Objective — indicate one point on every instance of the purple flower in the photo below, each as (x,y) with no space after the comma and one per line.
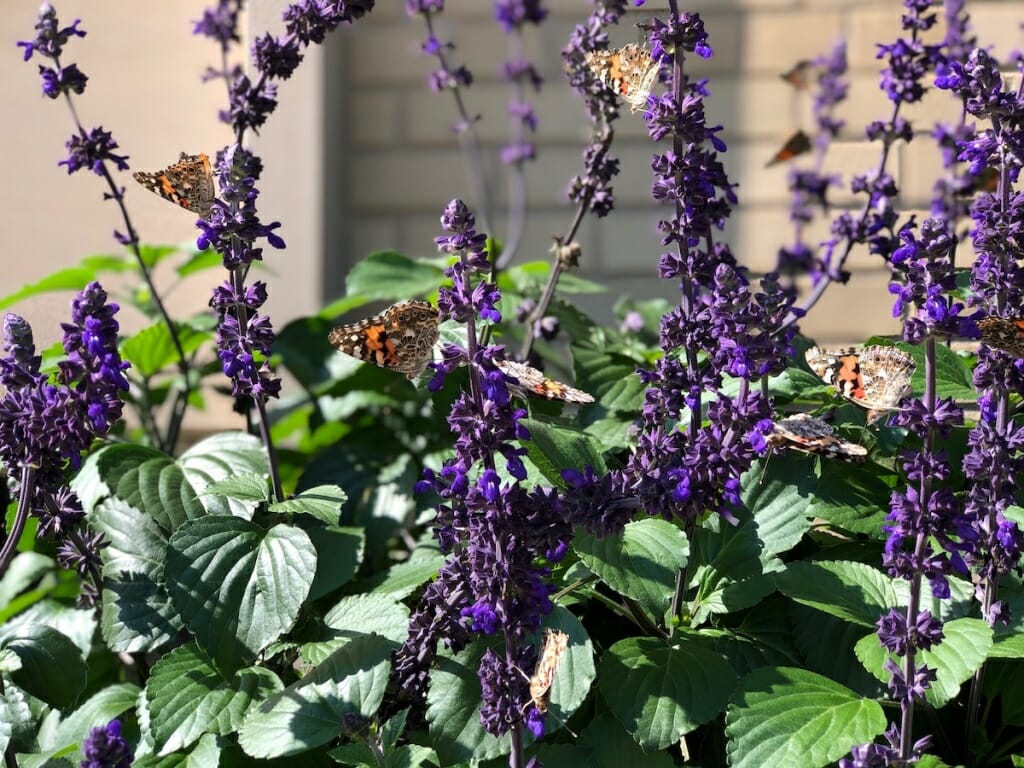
(50,36)
(92,151)
(62,81)
(220,23)
(492,529)
(45,427)
(276,58)
(106,748)
(516,13)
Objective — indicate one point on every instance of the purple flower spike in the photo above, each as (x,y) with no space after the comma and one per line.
(106,748)
(493,529)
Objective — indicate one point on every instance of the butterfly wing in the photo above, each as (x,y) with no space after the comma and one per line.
(795,145)
(1003,333)
(188,183)
(400,339)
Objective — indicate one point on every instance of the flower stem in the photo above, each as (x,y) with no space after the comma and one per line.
(167,442)
(28,475)
(469,143)
(563,240)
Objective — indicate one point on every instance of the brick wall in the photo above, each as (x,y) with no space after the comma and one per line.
(406,165)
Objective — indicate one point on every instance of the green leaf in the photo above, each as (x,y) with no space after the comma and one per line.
(780,717)
(642,563)
(239,587)
(357,616)
(205,754)
(1014,514)
(553,448)
(852,591)
(854,497)
(391,276)
(250,487)
(152,349)
(660,692)
(965,644)
(66,739)
(608,745)
(308,713)
(52,668)
(76,624)
(220,456)
(70,279)
(200,261)
(403,579)
(827,646)
(609,376)
(453,702)
(779,501)
(952,373)
(25,571)
(322,502)
(187,697)
(339,554)
(137,612)
(102,470)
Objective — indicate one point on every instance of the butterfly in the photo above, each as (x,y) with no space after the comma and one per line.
(188,183)
(803,432)
(401,338)
(630,71)
(875,377)
(1003,333)
(799,75)
(556,643)
(795,145)
(526,380)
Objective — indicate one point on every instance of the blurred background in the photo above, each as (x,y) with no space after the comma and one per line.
(360,155)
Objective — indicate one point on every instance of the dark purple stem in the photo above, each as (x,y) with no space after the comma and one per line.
(28,476)
(467,138)
(181,402)
(516,177)
(557,267)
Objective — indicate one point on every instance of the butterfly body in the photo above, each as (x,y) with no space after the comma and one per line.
(630,71)
(401,338)
(873,377)
(187,183)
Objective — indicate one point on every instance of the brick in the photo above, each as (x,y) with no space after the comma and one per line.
(387,54)
(997,24)
(851,313)
(870,26)
(772,42)
(374,115)
(753,107)
(920,166)
(403,179)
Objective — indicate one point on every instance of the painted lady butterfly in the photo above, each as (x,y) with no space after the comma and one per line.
(556,643)
(630,71)
(188,183)
(803,432)
(526,380)
(1003,333)
(401,338)
(799,75)
(875,377)
(795,145)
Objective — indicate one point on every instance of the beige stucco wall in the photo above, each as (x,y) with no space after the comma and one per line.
(398,161)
